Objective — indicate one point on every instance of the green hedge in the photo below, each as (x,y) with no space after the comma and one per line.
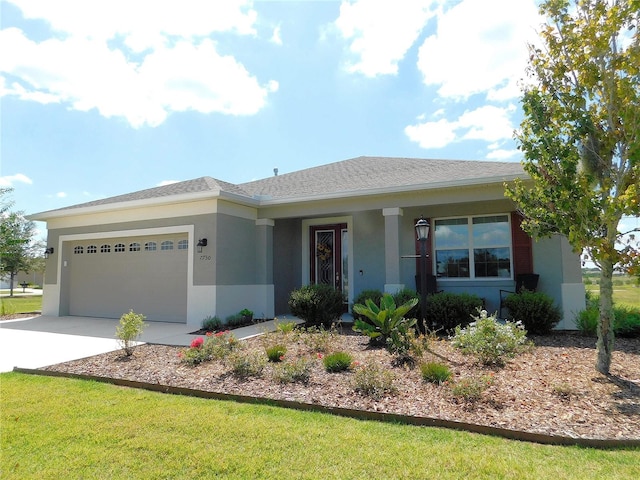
(317,304)
(447,310)
(536,310)
(626,320)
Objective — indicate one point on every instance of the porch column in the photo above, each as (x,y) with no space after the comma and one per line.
(392,249)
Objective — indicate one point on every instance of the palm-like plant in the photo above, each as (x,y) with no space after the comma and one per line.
(384,320)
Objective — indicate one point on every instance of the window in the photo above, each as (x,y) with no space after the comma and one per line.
(150,247)
(105,249)
(166,245)
(134,247)
(119,247)
(78,250)
(183,245)
(473,247)
(92,249)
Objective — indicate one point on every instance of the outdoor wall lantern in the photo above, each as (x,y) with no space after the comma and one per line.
(48,252)
(201,243)
(422,233)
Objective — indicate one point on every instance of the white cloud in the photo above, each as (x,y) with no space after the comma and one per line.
(487,123)
(501,154)
(61,195)
(432,134)
(137,60)
(276,38)
(480,47)
(381,32)
(10,180)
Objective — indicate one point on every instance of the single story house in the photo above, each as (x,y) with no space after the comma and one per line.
(182,252)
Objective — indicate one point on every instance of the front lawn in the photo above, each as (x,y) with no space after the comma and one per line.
(60,428)
(21,304)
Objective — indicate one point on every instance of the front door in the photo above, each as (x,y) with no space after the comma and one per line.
(329,256)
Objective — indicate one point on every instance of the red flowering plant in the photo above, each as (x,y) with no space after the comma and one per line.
(217,345)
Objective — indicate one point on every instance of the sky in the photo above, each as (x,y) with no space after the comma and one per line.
(100,98)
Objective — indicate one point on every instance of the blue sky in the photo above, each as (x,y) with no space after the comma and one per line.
(101,98)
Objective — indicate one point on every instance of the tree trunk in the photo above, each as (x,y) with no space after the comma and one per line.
(12,277)
(604,345)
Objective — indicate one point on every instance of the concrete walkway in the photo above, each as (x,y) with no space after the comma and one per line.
(41,341)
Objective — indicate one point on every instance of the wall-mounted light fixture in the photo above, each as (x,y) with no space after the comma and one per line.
(48,252)
(201,243)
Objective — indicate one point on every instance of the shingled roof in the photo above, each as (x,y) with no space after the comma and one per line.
(359,175)
(197,185)
(377,173)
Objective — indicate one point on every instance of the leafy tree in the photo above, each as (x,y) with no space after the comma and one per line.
(581,137)
(17,252)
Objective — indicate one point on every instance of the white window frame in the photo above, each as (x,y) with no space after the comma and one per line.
(471,247)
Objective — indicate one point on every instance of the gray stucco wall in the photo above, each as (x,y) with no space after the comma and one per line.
(235,251)
(287,268)
(368,251)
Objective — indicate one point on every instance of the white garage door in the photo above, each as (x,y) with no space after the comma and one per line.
(109,277)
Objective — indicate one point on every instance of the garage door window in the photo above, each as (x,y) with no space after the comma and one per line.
(119,247)
(92,249)
(105,249)
(78,250)
(183,245)
(166,245)
(150,247)
(134,247)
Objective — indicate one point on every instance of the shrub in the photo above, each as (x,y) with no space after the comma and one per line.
(490,341)
(317,304)
(626,320)
(435,372)
(318,339)
(373,381)
(246,365)
(470,388)
(298,370)
(129,329)
(275,353)
(373,295)
(587,320)
(246,314)
(217,345)
(337,362)
(535,310)
(196,353)
(212,324)
(449,310)
(286,327)
(385,324)
(235,320)
(405,295)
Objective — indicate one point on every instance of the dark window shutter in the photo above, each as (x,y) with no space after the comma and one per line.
(522,247)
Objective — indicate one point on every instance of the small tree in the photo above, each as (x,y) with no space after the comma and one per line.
(129,329)
(17,250)
(581,137)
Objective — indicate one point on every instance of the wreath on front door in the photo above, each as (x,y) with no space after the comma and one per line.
(323,252)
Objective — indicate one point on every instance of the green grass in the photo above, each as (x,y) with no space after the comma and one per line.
(21,304)
(60,428)
(625,290)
